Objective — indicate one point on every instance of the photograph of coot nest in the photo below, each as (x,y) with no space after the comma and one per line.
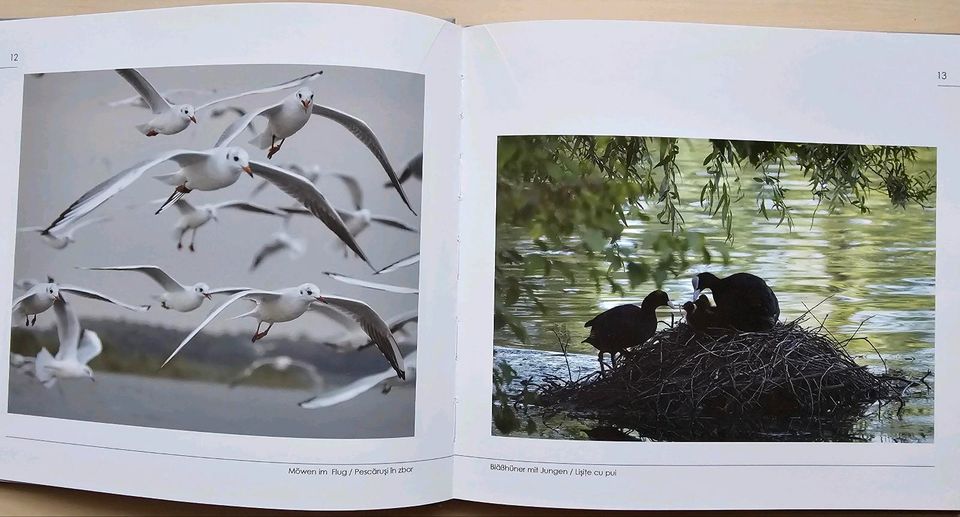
(665,289)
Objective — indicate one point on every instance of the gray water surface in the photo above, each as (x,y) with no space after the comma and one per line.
(201,406)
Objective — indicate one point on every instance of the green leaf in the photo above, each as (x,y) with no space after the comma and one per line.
(594,239)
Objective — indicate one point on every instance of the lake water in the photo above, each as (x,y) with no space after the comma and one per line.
(212,407)
(873,271)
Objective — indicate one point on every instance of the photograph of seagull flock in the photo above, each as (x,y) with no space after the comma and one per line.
(228,249)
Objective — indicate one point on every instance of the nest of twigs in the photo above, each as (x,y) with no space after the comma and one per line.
(684,385)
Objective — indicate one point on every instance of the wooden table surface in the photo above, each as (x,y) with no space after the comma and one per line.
(926,16)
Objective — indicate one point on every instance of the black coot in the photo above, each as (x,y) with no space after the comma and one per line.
(624,326)
(744,301)
(703,317)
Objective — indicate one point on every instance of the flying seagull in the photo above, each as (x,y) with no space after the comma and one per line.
(280,363)
(64,237)
(362,385)
(289,115)
(78,347)
(171,119)
(279,242)
(192,218)
(40,297)
(175,296)
(209,170)
(288,304)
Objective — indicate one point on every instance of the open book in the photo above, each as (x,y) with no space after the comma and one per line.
(332,257)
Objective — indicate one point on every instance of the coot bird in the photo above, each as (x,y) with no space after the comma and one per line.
(744,301)
(703,317)
(624,326)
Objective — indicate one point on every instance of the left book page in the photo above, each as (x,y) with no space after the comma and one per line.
(243,331)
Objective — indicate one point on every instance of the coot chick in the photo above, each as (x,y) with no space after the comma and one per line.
(624,326)
(703,317)
(744,301)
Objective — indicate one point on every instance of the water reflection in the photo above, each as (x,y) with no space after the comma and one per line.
(867,274)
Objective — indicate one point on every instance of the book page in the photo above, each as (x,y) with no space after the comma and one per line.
(709,268)
(234,227)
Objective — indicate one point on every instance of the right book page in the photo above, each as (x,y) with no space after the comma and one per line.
(703,268)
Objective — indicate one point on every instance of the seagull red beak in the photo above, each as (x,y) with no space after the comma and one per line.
(207,296)
(193,119)
(60,298)
(248,170)
(320,299)
(306,105)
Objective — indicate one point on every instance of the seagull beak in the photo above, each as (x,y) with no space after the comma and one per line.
(248,170)
(207,296)
(60,298)
(306,105)
(193,119)
(320,299)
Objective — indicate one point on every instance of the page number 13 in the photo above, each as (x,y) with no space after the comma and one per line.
(942,76)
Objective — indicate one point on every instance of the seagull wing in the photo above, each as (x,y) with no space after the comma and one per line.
(392,222)
(362,131)
(402,263)
(87,293)
(228,290)
(373,325)
(253,293)
(183,206)
(304,191)
(396,325)
(24,296)
(154,272)
(413,169)
(249,370)
(348,392)
(68,331)
(357,387)
(136,100)
(86,221)
(90,346)
(356,193)
(238,126)
(247,206)
(271,248)
(219,112)
(146,90)
(340,318)
(371,285)
(275,88)
(399,321)
(116,183)
(309,368)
